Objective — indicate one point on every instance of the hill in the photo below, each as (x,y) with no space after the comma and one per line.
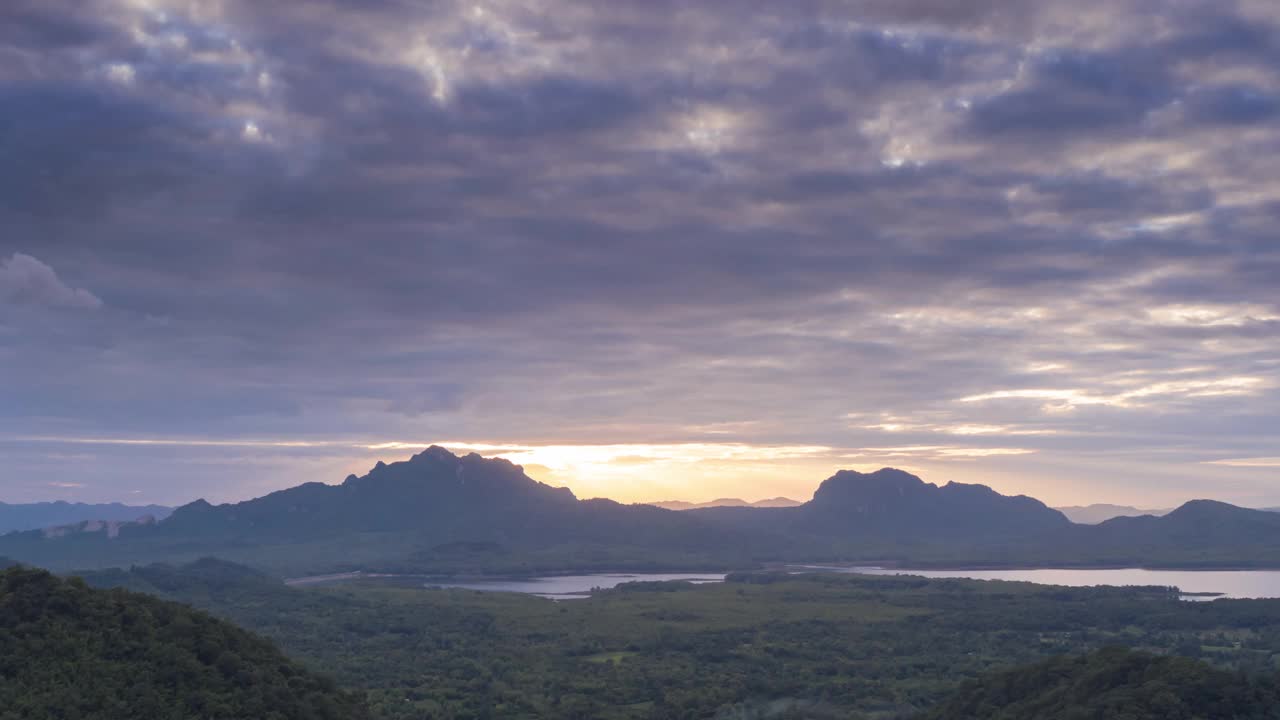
(1200,533)
(1113,683)
(894,515)
(725,502)
(1101,512)
(893,503)
(36,516)
(71,651)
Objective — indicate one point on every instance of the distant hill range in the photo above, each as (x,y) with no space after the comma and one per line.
(1101,512)
(439,513)
(726,502)
(36,516)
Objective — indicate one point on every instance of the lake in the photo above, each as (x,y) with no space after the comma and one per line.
(1230,583)
(575,587)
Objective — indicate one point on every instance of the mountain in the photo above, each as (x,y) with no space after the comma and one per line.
(1101,512)
(1199,533)
(75,652)
(874,515)
(438,513)
(893,503)
(1112,683)
(725,502)
(434,490)
(35,516)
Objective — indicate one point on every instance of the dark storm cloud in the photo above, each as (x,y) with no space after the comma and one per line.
(124,149)
(1097,196)
(1234,105)
(1071,92)
(45,25)
(577,222)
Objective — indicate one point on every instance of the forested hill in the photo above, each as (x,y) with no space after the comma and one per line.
(1114,683)
(69,651)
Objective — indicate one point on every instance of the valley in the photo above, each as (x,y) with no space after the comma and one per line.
(835,646)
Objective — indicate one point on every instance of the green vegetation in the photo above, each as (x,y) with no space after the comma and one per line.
(68,651)
(818,645)
(1114,683)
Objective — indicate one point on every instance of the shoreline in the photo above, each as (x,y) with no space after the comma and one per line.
(875,568)
(496,577)
(974,567)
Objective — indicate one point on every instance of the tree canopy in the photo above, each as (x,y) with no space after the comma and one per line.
(1117,684)
(73,652)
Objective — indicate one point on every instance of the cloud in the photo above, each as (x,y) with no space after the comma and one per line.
(1234,105)
(1259,462)
(573,225)
(1198,388)
(939,452)
(1076,91)
(25,280)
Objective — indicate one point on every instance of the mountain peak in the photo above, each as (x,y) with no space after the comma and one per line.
(437,454)
(1193,510)
(434,491)
(1202,504)
(883,483)
(896,502)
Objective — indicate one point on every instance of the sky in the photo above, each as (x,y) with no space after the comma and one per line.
(648,249)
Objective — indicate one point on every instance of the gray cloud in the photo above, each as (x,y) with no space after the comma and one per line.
(566,222)
(24,279)
(1234,105)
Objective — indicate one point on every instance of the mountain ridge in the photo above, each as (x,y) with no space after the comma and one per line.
(21,517)
(432,511)
(682,505)
(1100,512)
(441,513)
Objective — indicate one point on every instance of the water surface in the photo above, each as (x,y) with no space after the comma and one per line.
(1221,583)
(1228,583)
(574,587)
